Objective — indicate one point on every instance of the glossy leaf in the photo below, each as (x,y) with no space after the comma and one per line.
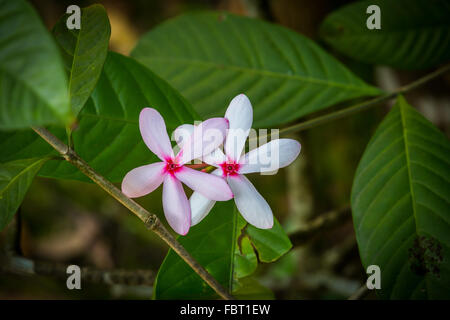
(245,260)
(15,179)
(212,57)
(33,86)
(271,244)
(414,34)
(401,208)
(108,136)
(84,52)
(221,245)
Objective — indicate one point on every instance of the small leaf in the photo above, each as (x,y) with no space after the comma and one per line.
(212,57)
(15,179)
(33,86)
(414,34)
(245,261)
(84,52)
(400,205)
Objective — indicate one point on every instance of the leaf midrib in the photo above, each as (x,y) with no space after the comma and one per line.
(408,167)
(267,73)
(20,173)
(233,248)
(74,55)
(408,164)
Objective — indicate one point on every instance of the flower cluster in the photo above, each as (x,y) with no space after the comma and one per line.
(227,181)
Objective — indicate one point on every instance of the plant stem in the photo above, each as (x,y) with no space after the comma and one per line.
(150,220)
(21,265)
(360,293)
(364,105)
(319,225)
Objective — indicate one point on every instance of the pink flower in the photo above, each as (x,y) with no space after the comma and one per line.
(231,166)
(172,170)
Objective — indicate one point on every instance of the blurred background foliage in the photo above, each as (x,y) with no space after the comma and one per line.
(73,222)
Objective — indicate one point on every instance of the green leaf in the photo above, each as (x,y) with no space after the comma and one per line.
(212,57)
(271,244)
(108,135)
(414,34)
(245,261)
(401,208)
(221,245)
(33,86)
(15,179)
(251,289)
(84,52)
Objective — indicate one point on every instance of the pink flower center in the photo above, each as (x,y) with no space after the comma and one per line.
(172,167)
(230,169)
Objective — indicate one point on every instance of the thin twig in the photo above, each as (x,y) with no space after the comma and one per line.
(360,293)
(24,266)
(363,105)
(150,220)
(319,225)
(197,166)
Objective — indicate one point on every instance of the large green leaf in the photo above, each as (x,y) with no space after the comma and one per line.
(222,245)
(84,52)
(33,86)
(108,136)
(15,179)
(414,34)
(212,57)
(401,207)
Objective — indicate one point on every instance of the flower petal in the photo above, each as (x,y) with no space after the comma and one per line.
(210,186)
(182,134)
(200,205)
(240,116)
(143,180)
(206,137)
(253,207)
(176,205)
(271,156)
(215,158)
(154,132)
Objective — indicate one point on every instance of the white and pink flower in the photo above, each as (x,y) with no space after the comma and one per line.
(172,170)
(232,166)
(202,142)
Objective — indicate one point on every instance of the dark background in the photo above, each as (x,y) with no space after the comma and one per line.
(71,222)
